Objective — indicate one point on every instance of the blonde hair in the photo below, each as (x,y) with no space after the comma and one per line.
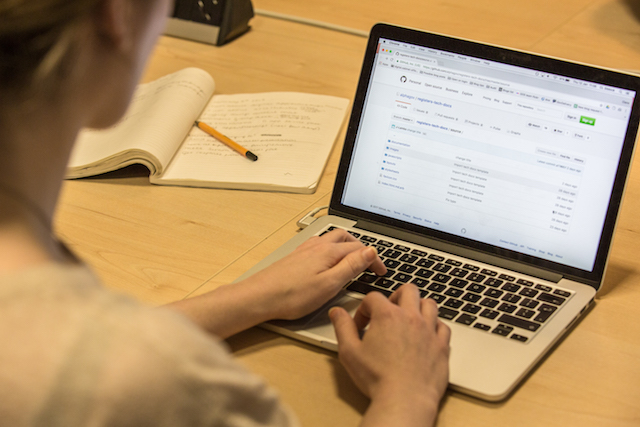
(35,38)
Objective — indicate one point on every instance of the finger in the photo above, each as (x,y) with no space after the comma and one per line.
(429,310)
(377,266)
(371,303)
(407,296)
(354,262)
(336,236)
(345,327)
(339,235)
(443,331)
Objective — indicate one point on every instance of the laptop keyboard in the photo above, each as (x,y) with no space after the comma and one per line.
(482,297)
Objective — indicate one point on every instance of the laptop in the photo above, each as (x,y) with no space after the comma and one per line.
(491,179)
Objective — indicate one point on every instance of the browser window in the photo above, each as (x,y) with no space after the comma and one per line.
(499,154)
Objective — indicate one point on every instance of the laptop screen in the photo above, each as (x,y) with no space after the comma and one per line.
(507,156)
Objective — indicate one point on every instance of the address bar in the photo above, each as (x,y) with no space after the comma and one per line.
(416,57)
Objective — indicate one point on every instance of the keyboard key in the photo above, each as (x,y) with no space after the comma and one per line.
(385,243)
(437,287)
(528,292)
(425,263)
(436,257)
(493,282)
(489,302)
(363,288)
(545,311)
(493,293)
(454,303)
(502,330)
(466,319)
(519,338)
(474,287)
(391,263)
(458,283)
(506,277)
(471,308)
(471,267)
(421,283)
(562,293)
(402,248)
(368,239)
(389,273)
(512,298)
(475,277)
(471,297)
(408,258)
(391,253)
(424,273)
(529,303)
(385,283)
(511,287)
(447,313)
(489,314)
(550,298)
(458,272)
(482,326)
(367,278)
(453,262)
(526,313)
(407,268)
(439,298)
(442,268)
(454,292)
(488,272)
(507,308)
(380,249)
(519,323)
(353,233)
(419,253)
(543,288)
(442,278)
(402,277)
(524,282)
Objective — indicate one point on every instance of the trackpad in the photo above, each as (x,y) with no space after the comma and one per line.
(321,325)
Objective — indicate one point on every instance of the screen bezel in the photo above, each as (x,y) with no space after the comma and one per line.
(506,56)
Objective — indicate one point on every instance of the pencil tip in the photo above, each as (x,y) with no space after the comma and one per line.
(251,156)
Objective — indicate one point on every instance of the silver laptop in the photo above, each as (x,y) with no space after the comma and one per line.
(491,179)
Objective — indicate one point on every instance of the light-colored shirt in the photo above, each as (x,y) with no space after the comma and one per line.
(75,354)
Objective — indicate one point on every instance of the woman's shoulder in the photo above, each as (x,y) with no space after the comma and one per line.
(84,352)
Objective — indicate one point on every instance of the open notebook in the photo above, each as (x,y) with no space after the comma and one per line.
(491,179)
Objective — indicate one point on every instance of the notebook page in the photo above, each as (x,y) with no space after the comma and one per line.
(160,115)
(291,133)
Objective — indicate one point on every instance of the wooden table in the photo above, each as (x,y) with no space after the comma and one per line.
(160,244)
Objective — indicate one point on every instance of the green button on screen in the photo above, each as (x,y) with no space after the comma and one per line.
(587,120)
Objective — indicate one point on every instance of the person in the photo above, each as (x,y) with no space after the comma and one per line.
(76,354)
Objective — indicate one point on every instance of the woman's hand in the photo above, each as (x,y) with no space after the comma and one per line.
(401,362)
(288,289)
(315,272)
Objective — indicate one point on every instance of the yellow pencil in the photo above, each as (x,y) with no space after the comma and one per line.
(220,137)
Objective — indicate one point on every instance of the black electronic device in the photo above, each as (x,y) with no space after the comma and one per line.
(210,21)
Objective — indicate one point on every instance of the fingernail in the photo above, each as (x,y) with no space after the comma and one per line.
(369,254)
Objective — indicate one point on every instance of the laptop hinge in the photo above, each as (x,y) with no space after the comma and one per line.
(458,250)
